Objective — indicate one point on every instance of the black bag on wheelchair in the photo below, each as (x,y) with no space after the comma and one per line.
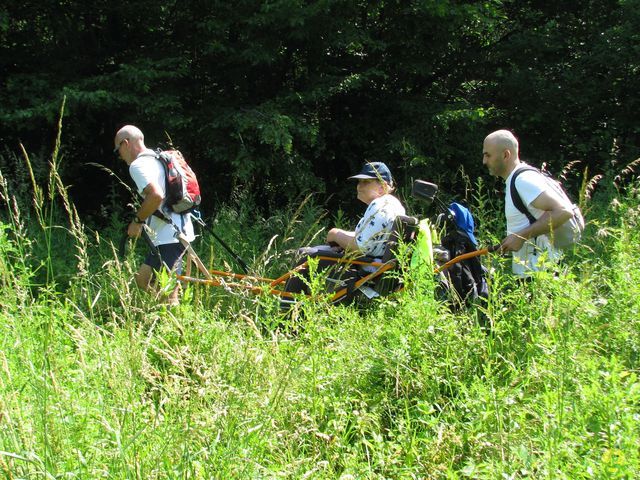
(464,283)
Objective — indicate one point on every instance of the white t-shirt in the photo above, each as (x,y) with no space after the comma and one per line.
(374,228)
(530,185)
(146,169)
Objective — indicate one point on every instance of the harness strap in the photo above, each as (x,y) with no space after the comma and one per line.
(169,220)
(515,196)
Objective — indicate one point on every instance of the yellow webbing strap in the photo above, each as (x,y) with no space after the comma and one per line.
(422,256)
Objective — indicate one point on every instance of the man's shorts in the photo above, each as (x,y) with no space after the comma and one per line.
(171,254)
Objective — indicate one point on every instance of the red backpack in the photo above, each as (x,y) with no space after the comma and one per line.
(182,192)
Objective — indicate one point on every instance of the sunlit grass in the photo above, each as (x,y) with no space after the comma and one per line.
(97,380)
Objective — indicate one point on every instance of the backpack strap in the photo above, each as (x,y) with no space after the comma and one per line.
(167,219)
(515,196)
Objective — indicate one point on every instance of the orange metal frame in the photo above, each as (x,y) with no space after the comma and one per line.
(256,285)
(275,286)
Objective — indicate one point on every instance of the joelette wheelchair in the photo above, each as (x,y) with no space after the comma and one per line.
(349,277)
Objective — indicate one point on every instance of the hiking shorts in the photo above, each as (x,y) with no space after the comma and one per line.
(171,254)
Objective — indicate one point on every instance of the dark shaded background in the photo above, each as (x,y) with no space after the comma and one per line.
(281,98)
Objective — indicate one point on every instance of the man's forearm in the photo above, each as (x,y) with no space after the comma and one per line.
(151,203)
(542,226)
(545,224)
(148,207)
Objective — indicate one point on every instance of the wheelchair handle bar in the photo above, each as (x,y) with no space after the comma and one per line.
(465,256)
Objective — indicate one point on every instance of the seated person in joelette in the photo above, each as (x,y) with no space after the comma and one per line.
(375,185)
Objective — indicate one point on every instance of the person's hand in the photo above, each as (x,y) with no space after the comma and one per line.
(134,229)
(332,236)
(512,243)
(335,236)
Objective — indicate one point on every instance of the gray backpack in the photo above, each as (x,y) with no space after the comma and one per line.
(563,236)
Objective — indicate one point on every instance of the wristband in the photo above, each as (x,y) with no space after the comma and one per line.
(137,220)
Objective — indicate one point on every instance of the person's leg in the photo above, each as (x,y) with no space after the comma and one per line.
(170,256)
(339,275)
(297,282)
(143,277)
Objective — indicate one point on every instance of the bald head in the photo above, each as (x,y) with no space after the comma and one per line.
(131,132)
(129,142)
(504,140)
(500,153)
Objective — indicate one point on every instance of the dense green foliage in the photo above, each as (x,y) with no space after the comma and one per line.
(96,380)
(284,97)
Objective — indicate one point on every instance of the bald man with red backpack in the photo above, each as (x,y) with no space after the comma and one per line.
(156,213)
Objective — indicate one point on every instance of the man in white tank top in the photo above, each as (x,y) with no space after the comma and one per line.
(529,242)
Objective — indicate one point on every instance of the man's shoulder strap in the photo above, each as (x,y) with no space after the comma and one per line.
(162,155)
(515,196)
(149,153)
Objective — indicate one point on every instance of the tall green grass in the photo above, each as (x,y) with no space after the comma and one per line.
(96,380)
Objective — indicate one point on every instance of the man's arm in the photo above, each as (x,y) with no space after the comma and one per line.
(344,238)
(555,214)
(151,203)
